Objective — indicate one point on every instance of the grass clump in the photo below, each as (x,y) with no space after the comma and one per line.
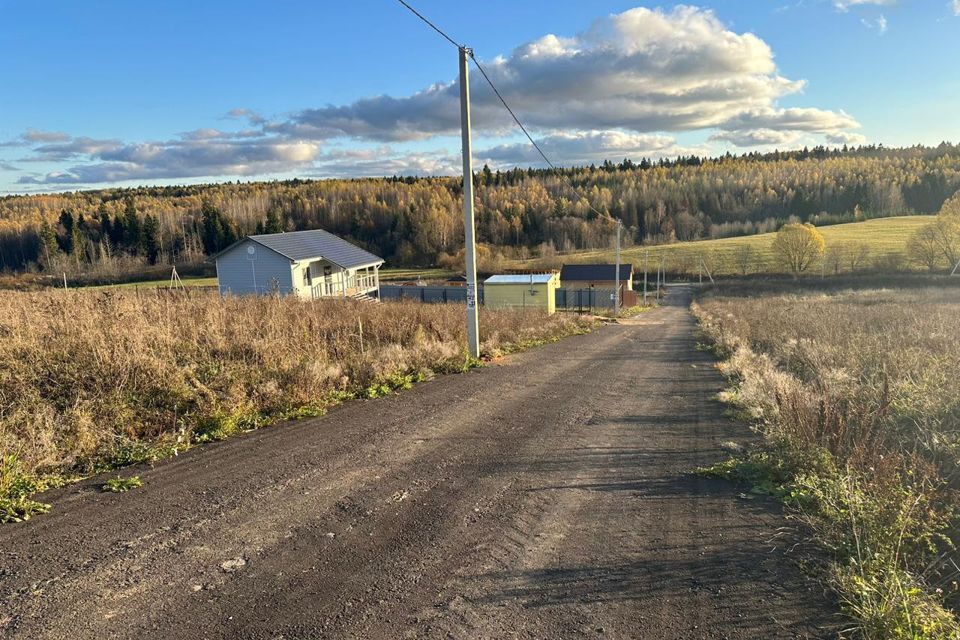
(855,393)
(94,380)
(15,488)
(122,485)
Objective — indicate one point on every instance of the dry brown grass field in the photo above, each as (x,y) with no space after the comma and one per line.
(857,394)
(97,379)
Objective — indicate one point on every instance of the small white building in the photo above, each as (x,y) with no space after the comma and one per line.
(310,264)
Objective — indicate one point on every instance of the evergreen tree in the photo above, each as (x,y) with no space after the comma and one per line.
(150,238)
(131,227)
(65,239)
(49,246)
(274,224)
(218,232)
(116,232)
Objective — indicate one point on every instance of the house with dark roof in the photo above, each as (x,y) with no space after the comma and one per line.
(309,264)
(596,276)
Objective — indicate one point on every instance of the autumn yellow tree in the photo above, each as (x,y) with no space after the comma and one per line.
(924,246)
(798,246)
(946,229)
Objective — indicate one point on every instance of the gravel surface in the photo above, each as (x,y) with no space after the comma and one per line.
(549,495)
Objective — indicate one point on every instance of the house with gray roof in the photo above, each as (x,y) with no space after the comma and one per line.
(310,264)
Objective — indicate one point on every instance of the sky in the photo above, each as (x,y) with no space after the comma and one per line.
(105,93)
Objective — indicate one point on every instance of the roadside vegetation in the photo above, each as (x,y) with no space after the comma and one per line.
(856,394)
(95,380)
(122,485)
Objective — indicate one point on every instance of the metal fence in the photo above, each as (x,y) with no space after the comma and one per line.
(583,300)
(427,294)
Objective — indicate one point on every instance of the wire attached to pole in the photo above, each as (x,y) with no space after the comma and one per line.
(432,26)
(506,106)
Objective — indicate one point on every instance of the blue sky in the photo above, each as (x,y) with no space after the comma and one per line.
(113,92)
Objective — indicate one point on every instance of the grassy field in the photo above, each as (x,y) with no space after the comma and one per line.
(405,275)
(856,393)
(91,380)
(386,275)
(882,237)
(155,284)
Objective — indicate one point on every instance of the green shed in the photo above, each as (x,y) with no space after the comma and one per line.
(522,291)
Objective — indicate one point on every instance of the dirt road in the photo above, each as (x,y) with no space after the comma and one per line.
(548,496)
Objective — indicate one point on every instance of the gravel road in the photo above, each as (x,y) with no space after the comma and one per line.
(549,495)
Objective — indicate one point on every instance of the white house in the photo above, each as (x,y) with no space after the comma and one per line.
(310,264)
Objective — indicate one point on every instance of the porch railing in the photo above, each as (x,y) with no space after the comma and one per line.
(355,283)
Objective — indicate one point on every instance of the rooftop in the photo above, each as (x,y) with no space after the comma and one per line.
(575,272)
(316,243)
(520,278)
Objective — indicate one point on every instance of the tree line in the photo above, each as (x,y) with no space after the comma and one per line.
(520,212)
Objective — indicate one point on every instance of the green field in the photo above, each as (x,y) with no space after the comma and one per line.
(394,275)
(153,284)
(881,237)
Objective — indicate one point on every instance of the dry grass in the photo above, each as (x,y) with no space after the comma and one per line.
(95,379)
(857,393)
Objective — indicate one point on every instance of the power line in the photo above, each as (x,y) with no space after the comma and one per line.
(507,107)
(530,138)
(503,102)
(432,26)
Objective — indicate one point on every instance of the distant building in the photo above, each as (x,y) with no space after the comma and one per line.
(522,291)
(597,276)
(309,264)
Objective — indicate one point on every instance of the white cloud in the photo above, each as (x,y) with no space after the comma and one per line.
(34,136)
(385,161)
(185,158)
(608,92)
(586,147)
(844,5)
(843,137)
(642,70)
(955,6)
(879,23)
(757,137)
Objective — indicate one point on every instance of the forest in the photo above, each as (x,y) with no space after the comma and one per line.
(417,221)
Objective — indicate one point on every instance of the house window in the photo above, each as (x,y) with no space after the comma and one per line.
(306,277)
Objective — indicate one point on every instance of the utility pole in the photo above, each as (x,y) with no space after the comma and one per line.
(646,259)
(659,264)
(616,293)
(470,248)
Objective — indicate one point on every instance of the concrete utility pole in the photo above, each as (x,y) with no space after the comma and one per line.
(616,293)
(470,248)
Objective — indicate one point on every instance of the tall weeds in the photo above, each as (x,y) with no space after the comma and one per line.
(857,395)
(89,380)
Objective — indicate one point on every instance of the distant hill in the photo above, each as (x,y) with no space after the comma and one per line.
(520,213)
(855,246)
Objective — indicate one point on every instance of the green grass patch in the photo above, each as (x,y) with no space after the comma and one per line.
(16,487)
(122,485)
(882,237)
